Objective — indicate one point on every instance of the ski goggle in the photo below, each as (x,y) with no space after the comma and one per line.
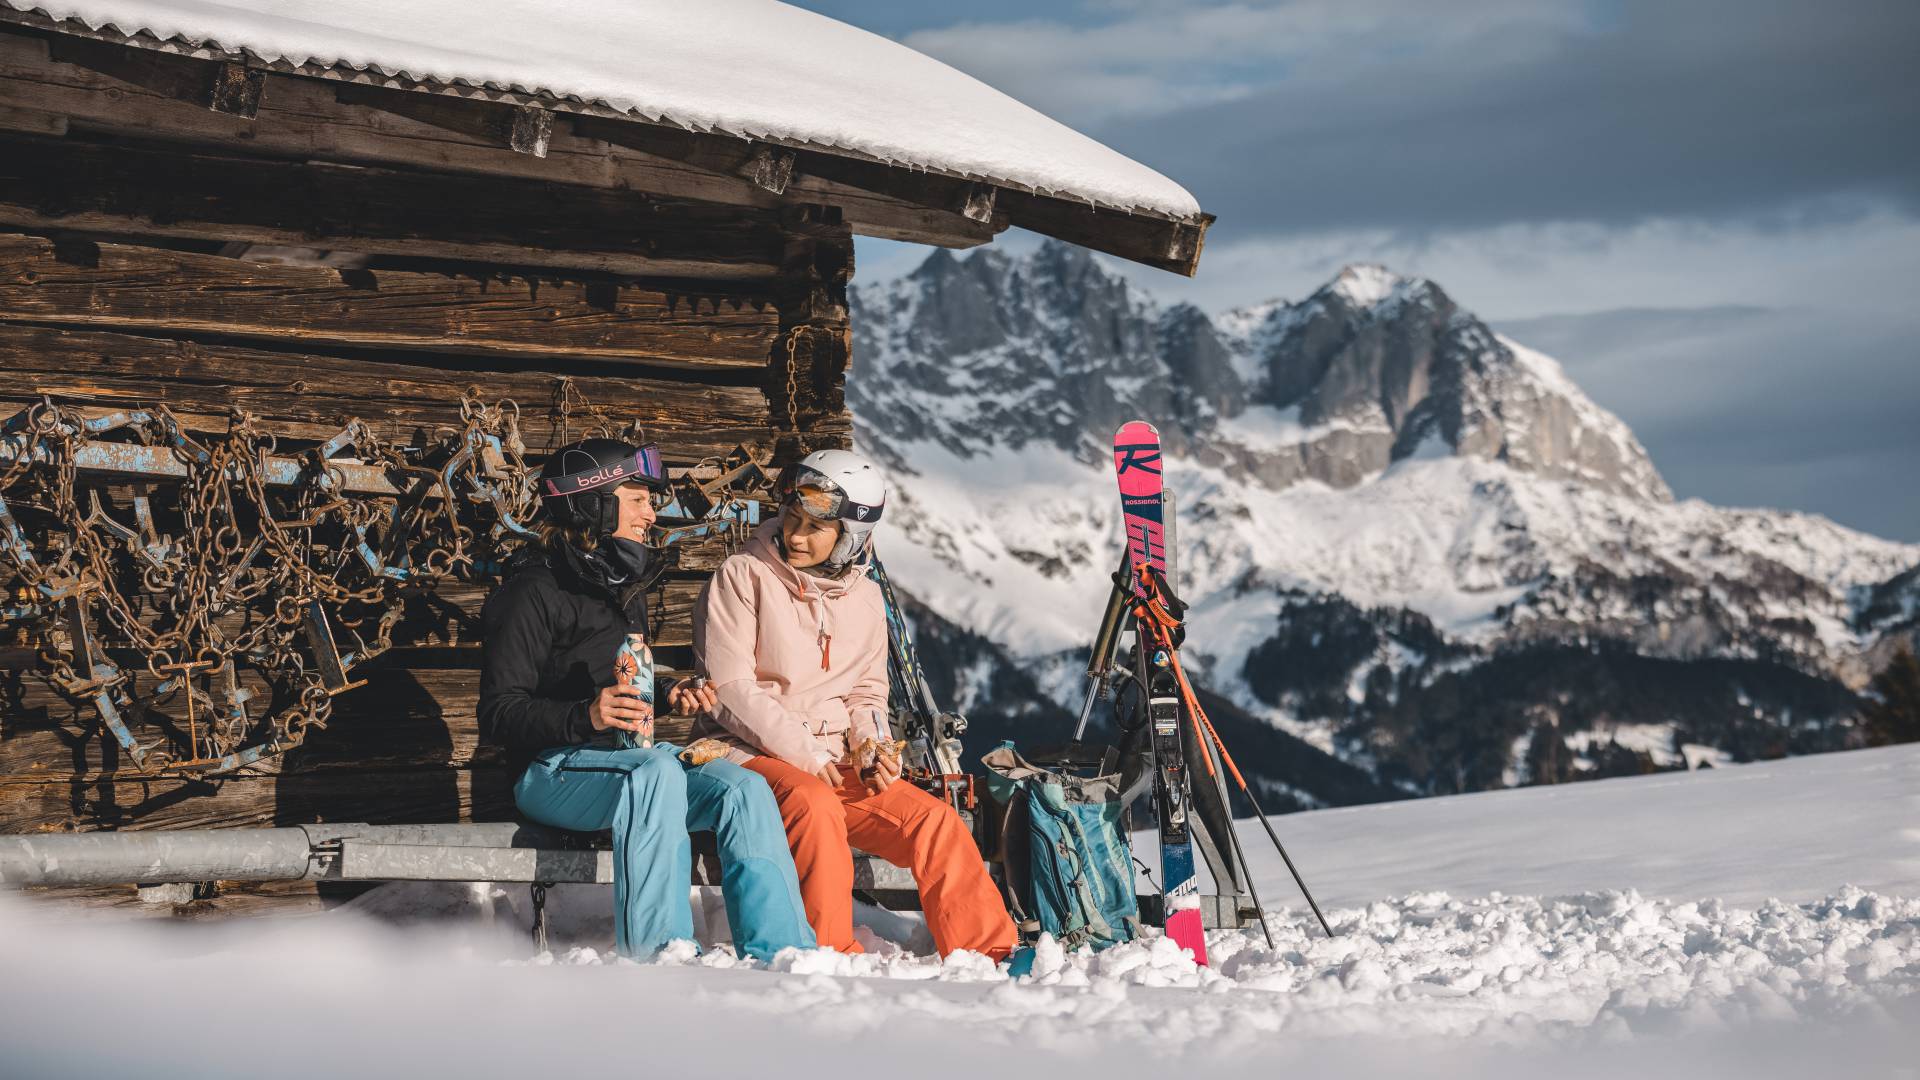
(827,503)
(643,467)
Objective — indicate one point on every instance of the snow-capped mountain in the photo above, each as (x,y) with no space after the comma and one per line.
(1409,541)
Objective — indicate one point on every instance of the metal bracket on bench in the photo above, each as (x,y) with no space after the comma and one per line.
(539,896)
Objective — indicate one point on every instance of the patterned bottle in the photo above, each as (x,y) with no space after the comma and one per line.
(633,666)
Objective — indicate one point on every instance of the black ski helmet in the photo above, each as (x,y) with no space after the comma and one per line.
(578,481)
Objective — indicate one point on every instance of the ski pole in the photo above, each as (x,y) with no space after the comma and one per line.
(1157,632)
(1240,857)
(1164,621)
(1100,659)
(1288,859)
(1227,756)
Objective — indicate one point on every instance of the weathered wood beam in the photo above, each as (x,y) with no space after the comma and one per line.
(380,797)
(1153,241)
(155,190)
(32,121)
(130,287)
(301,117)
(810,176)
(219,85)
(524,129)
(309,396)
(879,198)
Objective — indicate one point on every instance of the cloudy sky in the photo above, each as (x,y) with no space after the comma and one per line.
(1709,210)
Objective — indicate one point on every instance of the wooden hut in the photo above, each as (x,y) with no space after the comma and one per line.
(272,227)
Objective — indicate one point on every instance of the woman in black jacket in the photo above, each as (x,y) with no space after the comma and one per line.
(549,699)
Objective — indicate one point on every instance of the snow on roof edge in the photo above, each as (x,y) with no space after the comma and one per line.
(1083,170)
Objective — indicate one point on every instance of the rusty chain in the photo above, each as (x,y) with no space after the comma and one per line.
(245,619)
(230,617)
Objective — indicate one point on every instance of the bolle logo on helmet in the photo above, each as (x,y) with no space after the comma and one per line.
(582,481)
(644,464)
(609,473)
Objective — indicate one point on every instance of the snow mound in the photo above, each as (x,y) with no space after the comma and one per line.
(1452,977)
(753,68)
(1506,967)
(1419,975)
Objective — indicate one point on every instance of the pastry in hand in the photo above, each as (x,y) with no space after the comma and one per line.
(703,751)
(868,754)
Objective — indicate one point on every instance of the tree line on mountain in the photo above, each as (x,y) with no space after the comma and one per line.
(1436,717)
(1450,718)
(1892,710)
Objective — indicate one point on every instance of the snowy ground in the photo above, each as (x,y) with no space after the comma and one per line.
(1591,929)
(1795,829)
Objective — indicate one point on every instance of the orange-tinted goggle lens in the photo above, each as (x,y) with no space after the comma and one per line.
(818,503)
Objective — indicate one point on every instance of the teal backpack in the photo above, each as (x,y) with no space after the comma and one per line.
(1063,845)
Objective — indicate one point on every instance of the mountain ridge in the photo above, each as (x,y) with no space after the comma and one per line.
(1373,442)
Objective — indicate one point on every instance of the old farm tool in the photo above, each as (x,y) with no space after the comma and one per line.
(218,591)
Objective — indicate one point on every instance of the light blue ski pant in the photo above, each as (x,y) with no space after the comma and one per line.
(652,800)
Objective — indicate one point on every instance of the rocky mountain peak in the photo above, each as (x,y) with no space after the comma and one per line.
(1371,368)
(1408,540)
(1364,285)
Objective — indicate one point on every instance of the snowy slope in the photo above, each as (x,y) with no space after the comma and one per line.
(1470,944)
(1793,830)
(1372,445)
(753,68)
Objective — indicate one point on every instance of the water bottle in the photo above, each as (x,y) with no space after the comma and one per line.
(633,666)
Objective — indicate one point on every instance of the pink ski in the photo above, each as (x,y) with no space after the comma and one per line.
(1136,463)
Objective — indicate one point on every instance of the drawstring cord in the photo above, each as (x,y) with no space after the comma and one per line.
(824,636)
(817,600)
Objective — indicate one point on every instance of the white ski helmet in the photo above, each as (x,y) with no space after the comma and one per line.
(839,485)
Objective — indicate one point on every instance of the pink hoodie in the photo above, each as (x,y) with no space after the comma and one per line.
(797,661)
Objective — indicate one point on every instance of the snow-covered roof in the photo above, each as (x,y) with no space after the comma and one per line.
(752,68)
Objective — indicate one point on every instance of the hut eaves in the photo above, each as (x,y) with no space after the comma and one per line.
(748,69)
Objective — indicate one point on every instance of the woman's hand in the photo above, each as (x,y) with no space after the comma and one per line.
(690,699)
(877,760)
(830,774)
(884,771)
(620,708)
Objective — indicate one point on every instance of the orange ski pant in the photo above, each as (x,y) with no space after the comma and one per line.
(903,825)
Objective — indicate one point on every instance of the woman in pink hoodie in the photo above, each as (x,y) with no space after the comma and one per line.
(792,636)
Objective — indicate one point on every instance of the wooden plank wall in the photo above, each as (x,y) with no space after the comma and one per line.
(112,297)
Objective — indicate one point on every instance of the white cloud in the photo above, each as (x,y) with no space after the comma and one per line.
(1155,57)
(1521,271)
(1548,158)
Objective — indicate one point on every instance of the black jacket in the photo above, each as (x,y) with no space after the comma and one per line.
(549,638)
